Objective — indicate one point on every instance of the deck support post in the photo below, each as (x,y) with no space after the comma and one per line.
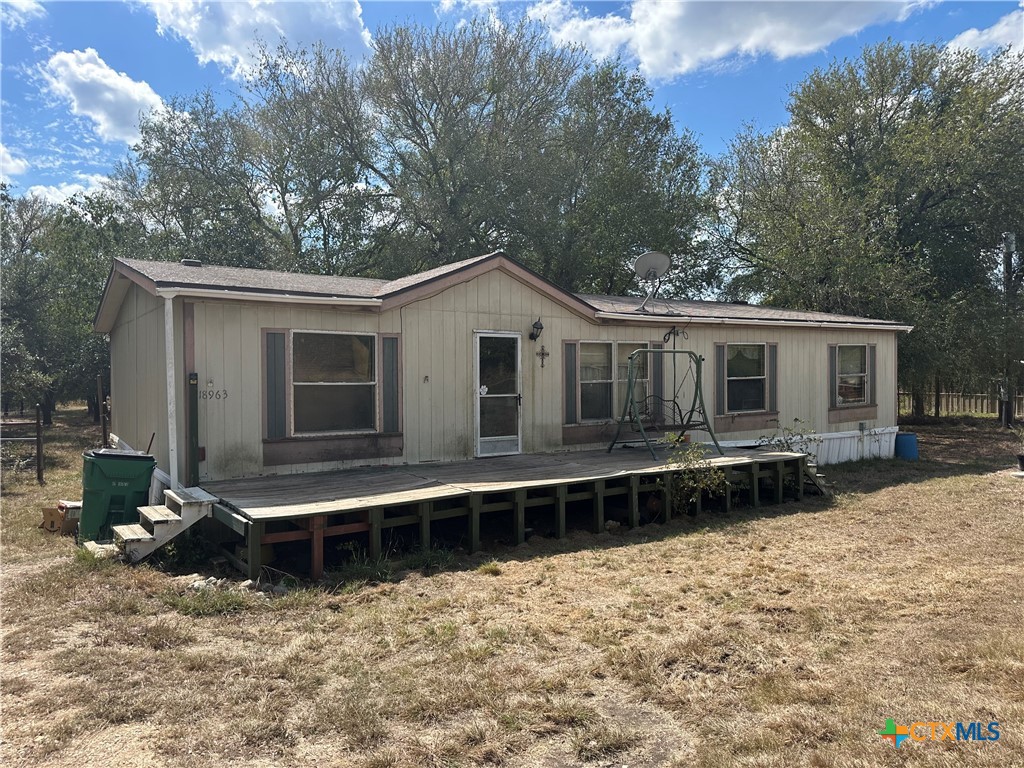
(316,547)
(376,518)
(801,472)
(475,502)
(666,481)
(425,508)
(780,477)
(755,496)
(598,506)
(561,492)
(634,501)
(254,547)
(519,516)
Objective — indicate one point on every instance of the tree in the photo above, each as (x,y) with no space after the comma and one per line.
(23,223)
(617,180)
(55,262)
(300,132)
(187,187)
(448,143)
(460,118)
(885,196)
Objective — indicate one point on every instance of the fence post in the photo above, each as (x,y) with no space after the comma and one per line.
(39,444)
(105,422)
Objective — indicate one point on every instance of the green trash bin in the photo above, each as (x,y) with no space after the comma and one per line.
(114,485)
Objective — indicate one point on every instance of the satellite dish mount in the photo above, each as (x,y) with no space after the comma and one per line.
(650,267)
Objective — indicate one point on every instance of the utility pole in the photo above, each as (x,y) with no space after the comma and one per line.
(1007,390)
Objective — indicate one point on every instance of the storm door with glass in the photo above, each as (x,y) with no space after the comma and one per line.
(498,396)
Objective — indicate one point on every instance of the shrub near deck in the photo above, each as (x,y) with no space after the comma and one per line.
(785,636)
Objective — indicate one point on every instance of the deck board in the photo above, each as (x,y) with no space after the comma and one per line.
(301,495)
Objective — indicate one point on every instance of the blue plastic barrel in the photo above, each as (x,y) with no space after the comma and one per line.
(906,446)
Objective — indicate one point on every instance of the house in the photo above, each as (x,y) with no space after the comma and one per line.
(238,373)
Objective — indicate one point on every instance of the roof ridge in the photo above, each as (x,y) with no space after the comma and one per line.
(407,281)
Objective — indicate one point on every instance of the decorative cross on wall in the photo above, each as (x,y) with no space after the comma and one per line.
(543,355)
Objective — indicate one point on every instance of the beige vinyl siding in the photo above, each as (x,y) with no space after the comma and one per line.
(438,342)
(444,430)
(803,385)
(229,353)
(138,378)
(437,369)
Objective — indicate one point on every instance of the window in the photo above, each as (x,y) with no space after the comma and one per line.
(746,386)
(334,383)
(604,379)
(595,381)
(745,378)
(851,382)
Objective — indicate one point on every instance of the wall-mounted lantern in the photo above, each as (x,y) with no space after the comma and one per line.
(538,328)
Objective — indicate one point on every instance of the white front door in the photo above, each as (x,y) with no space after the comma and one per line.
(498,394)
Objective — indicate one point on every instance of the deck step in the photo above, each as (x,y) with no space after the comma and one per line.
(158,513)
(132,532)
(184,496)
(816,480)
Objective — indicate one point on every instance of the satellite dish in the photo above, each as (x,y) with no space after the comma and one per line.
(652,265)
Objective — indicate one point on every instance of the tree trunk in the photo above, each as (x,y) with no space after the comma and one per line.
(49,405)
(917,400)
(938,397)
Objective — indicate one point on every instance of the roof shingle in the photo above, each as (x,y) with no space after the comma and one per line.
(173,274)
(718,310)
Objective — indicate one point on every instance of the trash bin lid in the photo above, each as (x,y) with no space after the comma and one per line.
(116,453)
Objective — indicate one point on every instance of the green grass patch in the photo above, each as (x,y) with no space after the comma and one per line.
(207,602)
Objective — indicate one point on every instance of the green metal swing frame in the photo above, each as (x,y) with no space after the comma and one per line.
(694,418)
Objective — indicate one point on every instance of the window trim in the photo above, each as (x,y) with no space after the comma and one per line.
(866,376)
(763,378)
(616,409)
(290,384)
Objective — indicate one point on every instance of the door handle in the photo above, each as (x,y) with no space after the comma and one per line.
(519,399)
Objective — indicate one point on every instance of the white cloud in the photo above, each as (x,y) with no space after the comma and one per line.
(473,7)
(88,183)
(11,165)
(18,13)
(673,37)
(1009,30)
(223,33)
(111,99)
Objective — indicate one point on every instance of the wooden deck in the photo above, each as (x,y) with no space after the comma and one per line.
(276,509)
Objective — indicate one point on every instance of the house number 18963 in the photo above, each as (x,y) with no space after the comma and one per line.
(213,394)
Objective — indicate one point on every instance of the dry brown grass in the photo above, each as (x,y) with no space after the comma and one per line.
(779,637)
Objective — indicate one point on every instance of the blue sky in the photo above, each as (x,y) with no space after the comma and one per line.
(76,74)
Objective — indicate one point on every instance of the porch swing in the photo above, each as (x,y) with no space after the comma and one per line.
(652,412)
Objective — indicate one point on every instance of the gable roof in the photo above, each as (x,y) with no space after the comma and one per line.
(211,281)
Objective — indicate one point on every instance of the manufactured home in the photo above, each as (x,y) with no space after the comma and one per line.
(240,373)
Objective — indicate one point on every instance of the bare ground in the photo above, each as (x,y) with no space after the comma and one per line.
(779,637)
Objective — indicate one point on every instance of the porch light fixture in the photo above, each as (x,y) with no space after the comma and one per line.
(538,328)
